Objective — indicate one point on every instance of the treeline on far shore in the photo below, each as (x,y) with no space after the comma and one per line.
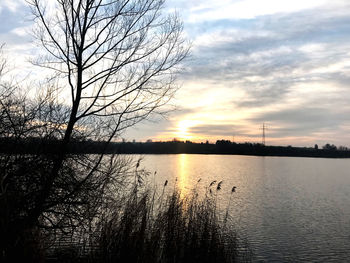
(35,145)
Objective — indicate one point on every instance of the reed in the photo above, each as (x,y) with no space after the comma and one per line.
(171,228)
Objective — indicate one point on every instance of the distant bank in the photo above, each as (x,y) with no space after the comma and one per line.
(35,146)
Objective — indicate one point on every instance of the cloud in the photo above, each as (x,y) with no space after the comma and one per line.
(291,70)
(248,9)
(11,18)
(281,62)
(303,120)
(15,27)
(277,53)
(205,10)
(12,5)
(218,130)
(267,95)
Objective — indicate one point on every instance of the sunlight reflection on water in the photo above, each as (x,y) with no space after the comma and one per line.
(290,209)
(182,176)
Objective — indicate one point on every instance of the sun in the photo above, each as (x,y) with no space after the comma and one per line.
(183,129)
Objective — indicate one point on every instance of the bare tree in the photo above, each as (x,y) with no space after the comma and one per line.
(30,129)
(117,58)
(116,61)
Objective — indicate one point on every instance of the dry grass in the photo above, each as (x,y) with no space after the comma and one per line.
(168,229)
(145,227)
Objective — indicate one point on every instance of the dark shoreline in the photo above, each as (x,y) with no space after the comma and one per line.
(36,146)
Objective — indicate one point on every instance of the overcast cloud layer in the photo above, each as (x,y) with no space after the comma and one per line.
(283,63)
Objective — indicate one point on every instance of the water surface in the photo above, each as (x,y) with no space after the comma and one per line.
(289,209)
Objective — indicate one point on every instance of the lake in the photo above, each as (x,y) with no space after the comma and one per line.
(288,209)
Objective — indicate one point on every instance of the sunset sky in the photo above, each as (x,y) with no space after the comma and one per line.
(279,62)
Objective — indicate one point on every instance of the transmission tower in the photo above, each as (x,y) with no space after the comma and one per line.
(263,133)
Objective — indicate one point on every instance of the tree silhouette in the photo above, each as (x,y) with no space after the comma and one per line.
(116,61)
(117,58)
